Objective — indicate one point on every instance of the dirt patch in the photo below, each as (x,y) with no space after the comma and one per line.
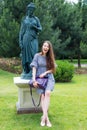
(81,70)
(11,65)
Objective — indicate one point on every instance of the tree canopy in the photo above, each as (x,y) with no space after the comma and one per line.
(64,24)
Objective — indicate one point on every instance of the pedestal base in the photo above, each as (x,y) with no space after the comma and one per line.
(28,110)
(25,104)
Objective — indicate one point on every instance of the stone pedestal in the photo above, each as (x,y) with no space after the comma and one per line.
(25,104)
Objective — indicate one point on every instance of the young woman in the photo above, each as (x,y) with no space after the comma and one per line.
(42,65)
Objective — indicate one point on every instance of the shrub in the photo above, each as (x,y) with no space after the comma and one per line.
(64,71)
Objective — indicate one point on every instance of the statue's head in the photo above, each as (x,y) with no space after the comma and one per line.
(30,9)
(31,5)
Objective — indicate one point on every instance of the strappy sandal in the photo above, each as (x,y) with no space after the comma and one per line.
(48,123)
(42,121)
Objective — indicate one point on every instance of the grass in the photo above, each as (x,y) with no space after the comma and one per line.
(83,61)
(68,107)
(75,61)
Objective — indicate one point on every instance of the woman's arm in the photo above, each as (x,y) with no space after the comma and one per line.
(45,73)
(33,73)
(38,26)
(35,83)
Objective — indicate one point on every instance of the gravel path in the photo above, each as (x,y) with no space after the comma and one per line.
(82,65)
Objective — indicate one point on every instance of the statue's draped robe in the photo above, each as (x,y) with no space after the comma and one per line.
(28,40)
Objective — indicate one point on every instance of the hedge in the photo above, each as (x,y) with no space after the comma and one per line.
(64,71)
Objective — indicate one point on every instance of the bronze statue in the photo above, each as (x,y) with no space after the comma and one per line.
(28,39)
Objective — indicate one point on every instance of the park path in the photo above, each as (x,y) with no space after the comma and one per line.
(82,65)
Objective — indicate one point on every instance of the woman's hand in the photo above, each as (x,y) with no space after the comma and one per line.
(42,75)
(35,84)
(45,73)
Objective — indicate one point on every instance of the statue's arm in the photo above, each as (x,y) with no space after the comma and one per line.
(21,33)
(38,27)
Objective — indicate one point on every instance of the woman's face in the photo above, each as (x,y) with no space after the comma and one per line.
(45,48)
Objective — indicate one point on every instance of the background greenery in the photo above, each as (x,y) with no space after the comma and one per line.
(68,107)
(64,24)
(64,71)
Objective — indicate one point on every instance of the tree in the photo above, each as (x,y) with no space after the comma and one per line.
(68,18)
(62,19)
(8,36)
(11,13)
(83,47)
(42,11)
(64,24)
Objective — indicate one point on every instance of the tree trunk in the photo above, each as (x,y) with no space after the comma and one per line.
(79,63)
(79,55)
(71,59)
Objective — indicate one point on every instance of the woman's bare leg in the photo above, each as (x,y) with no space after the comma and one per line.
(45,101)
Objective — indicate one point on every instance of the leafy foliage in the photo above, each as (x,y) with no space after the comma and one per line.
(64,24)
(64,71)
(9,34)
(83,49)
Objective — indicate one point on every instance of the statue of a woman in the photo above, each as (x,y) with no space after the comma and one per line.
(28,39)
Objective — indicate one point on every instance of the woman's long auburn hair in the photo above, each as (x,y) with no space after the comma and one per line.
(50,60)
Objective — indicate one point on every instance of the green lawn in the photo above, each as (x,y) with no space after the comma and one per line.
(83,61)
(75,61)
(68,107)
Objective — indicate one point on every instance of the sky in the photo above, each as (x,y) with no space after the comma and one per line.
(75,1)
